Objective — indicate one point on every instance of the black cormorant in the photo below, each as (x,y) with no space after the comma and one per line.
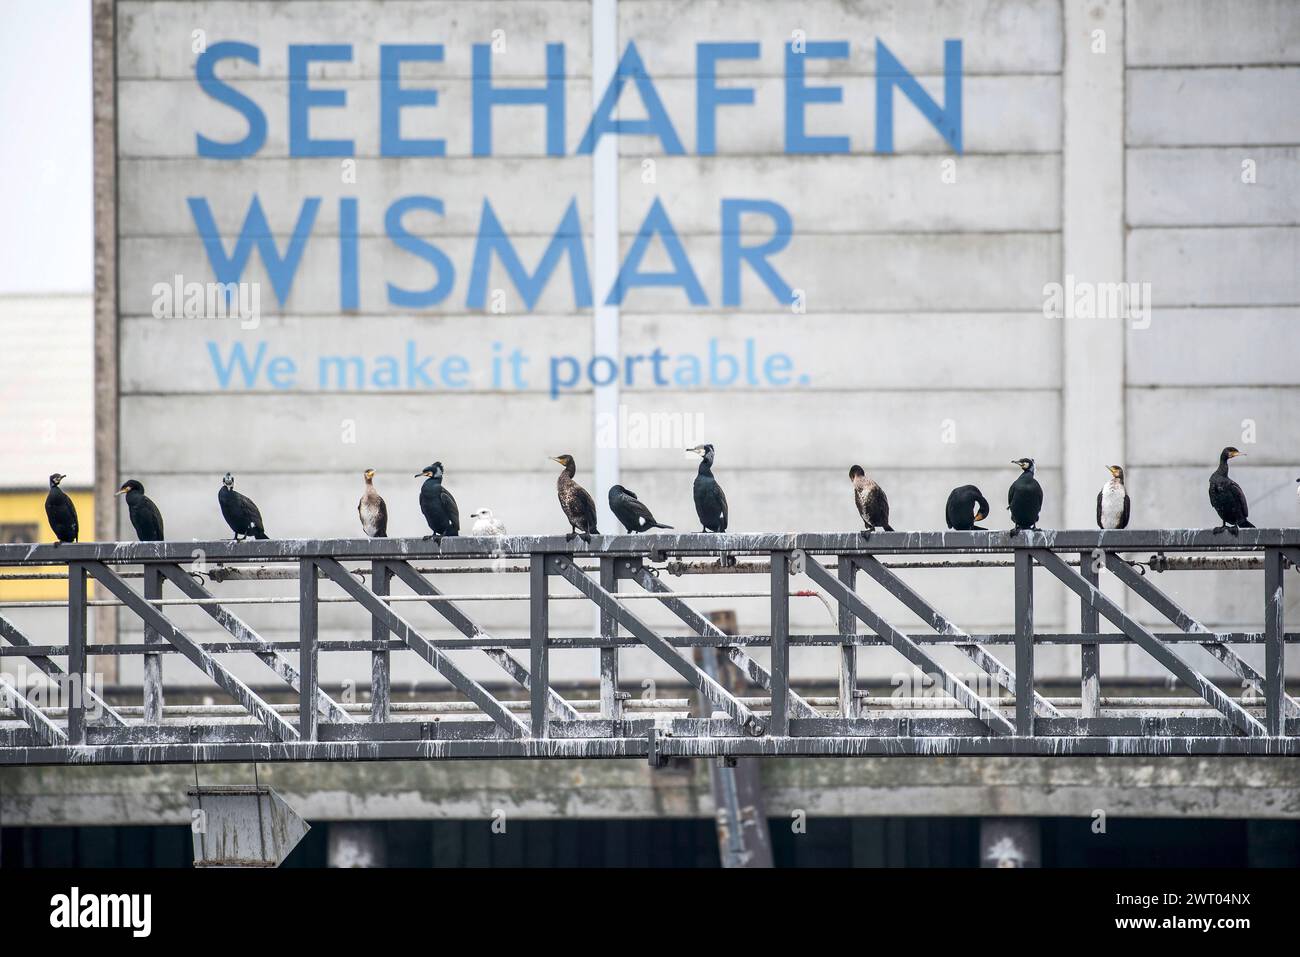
(631,511)
(578,505)
(1025,497)
(437,504)
(1227,497)
(239,511)
(145,517)
(60,511)
(372,509)
(1112,501)
(710,502)
(870,500)
(966,506)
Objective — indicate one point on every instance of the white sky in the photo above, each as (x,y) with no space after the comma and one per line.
(46,192)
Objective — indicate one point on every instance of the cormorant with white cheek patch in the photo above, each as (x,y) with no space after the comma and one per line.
(239,511)
(60,511)
(372,509)
(576,502)
(437,504)
(870,500)
(1112,501)
(146,518)
(1227,497)
(1025,497)
(966,506)
(631,511)
(710,502)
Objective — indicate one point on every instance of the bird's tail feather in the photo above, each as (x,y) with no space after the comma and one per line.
(262,536)
(1244,524)
(660,525)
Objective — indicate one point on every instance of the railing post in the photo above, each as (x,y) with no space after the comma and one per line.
(153,676)
(610,705)
(1274,641)
(780,644)
(848,575)
(308,626)
(76,676)
(1024,642)
(538,627)
(1090,653)
(381,577)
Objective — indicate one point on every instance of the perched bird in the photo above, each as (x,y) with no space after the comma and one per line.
(870,500)
(1112,501)
(145,517)
(1227,497)
(710,502)
(372,509)
(1025,497)
(578,505)
(629,510)
(60,511)
(487,524)
(966,506)
(239,511)
(437,504)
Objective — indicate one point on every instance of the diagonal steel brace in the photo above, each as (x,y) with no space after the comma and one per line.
(702,626)
(1157,649)
(719,696)
(470,629)
(194,651)
(239,630)
(983,658)
(905,646)
(423,647)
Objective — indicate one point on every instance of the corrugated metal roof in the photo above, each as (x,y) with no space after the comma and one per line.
(47,380)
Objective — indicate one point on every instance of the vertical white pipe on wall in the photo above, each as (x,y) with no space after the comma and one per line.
(605,319)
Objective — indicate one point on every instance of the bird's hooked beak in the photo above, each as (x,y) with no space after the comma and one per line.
(980,516)
(1113,469)
(122,491)
(1233,455)
(425,474)
(698,450)
(556,458)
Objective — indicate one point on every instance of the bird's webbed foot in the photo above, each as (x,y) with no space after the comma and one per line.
(1232,530)
(572,534)
(585,536)
(428,537)
(1218,530)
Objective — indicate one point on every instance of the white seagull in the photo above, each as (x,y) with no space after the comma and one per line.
(485,523)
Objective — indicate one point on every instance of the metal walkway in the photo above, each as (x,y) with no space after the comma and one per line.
(1001,715)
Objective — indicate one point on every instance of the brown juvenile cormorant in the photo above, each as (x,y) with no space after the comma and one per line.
(578,505)
(630,510)
(239,511)
(1227,497)
(437,504)
(372,509)
(1025,497)
(60,511)
(966,506)
(870,500)
(710,502)
(1112,501)
(145,517)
